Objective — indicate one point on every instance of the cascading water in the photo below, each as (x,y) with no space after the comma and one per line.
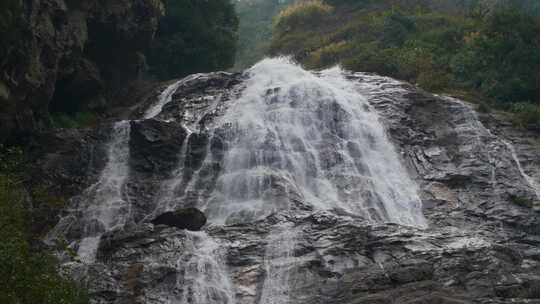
(532,183)
(295,136)
(298,136)
(163,99)
(277,263)
(206,277)
(106,207)
(293,141)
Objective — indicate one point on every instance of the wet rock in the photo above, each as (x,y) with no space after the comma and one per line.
(68,53)
(154,145)
(479,246)
(190,218)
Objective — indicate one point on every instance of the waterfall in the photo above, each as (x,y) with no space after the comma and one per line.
(278,260)
(293,140)
(166,96)
(295,135)
(105,207)
(532,183)
(206,277)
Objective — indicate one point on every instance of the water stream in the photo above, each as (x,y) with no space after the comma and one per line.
(106,207)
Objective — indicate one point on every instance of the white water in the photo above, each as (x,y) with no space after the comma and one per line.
(295,135)
(206,279)
(532,183)
(478,126)
(166,96)
(278,261)
(106,208)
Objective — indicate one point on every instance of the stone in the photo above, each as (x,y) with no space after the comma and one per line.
(479,247)
(190,218)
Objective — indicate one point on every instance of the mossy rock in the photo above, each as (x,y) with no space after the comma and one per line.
(522,201)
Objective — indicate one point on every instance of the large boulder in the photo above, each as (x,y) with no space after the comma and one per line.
(187,218)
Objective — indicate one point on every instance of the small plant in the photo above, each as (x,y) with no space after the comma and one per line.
(522,201)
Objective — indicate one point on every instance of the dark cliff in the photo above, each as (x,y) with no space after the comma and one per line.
(66,57)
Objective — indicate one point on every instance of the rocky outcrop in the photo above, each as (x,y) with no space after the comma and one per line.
(72,56)
(189,218)
(480,246)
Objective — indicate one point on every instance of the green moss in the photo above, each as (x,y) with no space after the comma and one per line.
(522,201)
(72,121)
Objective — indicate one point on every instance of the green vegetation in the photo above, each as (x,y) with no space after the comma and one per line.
(522,201)
(76,120)
(9,14)
(194,36)
(489,49)
(28,275)
(302,14)
(255,29)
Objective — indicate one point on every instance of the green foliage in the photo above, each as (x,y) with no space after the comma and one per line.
(522,201)
(303,14)
(72,121)
(194,36)
(490,48)
(255,29)
(502,59)
(10,12)
(526,114)
(27,275)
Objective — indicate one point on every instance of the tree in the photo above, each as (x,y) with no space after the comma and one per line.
(194,36)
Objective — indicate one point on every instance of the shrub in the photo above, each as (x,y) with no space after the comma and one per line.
(301,14)
(193,37)
(27,274)
(328,55)
(525,114)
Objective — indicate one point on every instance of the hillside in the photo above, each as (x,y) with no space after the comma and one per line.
(484,51)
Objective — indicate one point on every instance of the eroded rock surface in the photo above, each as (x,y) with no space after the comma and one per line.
(480,246)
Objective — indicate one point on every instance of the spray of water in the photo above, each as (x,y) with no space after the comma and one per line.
(295,135)
(105,207)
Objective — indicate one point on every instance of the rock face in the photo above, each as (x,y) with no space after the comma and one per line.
(72,56)
(190,218)
(277,236)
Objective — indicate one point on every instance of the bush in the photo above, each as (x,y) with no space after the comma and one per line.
(526,114)
(503,57)
(302,14)
(194,36)
(328,55)
(10,11)
(27,274)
